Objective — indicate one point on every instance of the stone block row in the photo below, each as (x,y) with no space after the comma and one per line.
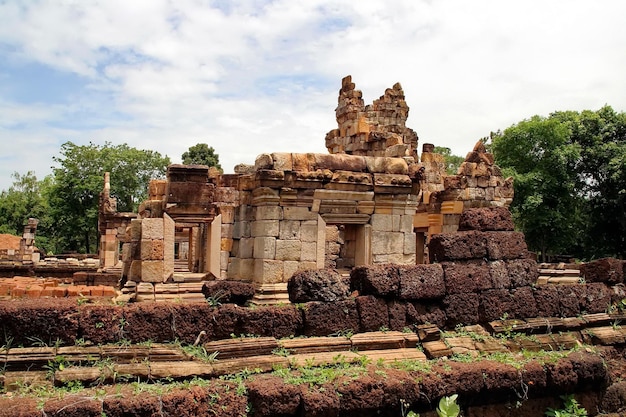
(467,245)
(415,282)
(526,302)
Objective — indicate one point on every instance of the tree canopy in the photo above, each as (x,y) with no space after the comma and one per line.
(453,162)
(570,181)
(78,181)
(202,154)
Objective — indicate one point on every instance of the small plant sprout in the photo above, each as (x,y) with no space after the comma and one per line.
(404,409)
(448,407)
(571,408)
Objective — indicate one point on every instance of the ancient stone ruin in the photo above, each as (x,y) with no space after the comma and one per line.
(372,200)
(362,282)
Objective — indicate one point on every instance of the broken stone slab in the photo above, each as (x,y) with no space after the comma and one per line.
(318,285)
(486,219)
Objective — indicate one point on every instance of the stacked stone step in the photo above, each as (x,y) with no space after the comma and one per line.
(489,274)
(487,268)
(559,274)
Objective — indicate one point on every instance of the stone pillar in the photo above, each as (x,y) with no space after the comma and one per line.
(363,255)
(212,246)
(27,244)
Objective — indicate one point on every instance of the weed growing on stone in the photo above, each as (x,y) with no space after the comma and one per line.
(347,333)
(239,379)
(215,299)
(200,352)
(281,351)
(244,336)
(571,408)
(57,364)
(410,365)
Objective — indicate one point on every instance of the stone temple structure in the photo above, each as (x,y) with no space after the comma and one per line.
(373,199)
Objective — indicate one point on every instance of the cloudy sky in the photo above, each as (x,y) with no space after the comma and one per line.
(254,76)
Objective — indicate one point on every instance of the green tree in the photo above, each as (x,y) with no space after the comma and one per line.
(539,155)
(602,172)
(202,154)
(79,180)
(453,162)
(25,198)
(570,181)
(21,201)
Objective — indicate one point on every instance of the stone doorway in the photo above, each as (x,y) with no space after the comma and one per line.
(421,251)
(347,245)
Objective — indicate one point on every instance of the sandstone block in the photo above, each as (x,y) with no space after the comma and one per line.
(265,228)
(263,161)
(226,244)
(386,165)
(226,230)
(153,271)
(308,232)
(282,161)
(298,213)
(134,272)
(152,228)
(152,249)
(290,268)
(382,222)
(268,213)
(300,162)
(224,257)
(309,251)
(246,247)
(340,162)
(289,230)
(288,250)
(409,244)
(264,247)
(268,271)
(135,229)
(387,242)
(246,269)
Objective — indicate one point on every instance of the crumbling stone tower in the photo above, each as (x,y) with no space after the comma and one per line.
(378,129)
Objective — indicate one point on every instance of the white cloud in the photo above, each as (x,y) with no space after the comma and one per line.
(262,76)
